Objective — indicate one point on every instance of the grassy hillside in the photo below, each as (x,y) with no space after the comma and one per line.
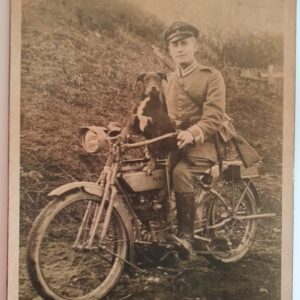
(78,67)
(79,64)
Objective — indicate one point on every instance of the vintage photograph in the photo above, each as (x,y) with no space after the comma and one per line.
(151,158)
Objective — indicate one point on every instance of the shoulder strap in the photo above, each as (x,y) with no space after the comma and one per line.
(185,92)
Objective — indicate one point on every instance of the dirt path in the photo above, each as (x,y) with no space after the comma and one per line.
(255,277)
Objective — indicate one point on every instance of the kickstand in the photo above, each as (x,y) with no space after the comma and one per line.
(124,260)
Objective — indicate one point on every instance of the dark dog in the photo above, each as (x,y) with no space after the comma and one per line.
(150,117)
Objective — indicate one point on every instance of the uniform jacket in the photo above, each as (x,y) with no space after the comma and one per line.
(205,113)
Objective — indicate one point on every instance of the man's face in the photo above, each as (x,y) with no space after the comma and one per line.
(183,51)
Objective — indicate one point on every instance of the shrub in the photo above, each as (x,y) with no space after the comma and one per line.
(253,49)
(242,48)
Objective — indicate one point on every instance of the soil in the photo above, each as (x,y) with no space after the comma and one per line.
(76,74)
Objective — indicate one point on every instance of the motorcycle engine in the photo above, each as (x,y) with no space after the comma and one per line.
(151,205)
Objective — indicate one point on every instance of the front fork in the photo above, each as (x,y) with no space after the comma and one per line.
(107,196)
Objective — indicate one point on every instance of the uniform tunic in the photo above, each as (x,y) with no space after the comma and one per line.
(195,98)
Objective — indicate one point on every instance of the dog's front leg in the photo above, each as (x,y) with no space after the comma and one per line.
(148,169)
(125,132)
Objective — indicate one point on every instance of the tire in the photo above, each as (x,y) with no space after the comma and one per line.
(232,241)
(59,272)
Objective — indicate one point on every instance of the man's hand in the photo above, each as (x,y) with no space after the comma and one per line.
(184,138)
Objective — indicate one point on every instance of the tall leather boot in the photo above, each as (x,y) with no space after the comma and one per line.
(179,214)
(185,219)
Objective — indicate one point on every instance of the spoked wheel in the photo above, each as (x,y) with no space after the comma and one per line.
(57,269)
(231,241)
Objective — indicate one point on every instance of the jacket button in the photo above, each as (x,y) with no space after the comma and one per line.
(180,116)
(180,108)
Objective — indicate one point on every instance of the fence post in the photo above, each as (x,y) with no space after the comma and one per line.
(270,74)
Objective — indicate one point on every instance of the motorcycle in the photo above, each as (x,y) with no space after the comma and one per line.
(82,240)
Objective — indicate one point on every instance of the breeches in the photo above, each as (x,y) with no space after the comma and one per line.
(185,171)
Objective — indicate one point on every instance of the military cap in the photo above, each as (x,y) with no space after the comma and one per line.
(178,31)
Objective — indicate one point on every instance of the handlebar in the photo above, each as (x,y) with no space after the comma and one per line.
(147,142)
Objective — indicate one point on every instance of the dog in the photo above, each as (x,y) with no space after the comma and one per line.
(150,117)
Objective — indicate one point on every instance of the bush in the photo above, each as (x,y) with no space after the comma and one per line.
(241,48)
(250,50)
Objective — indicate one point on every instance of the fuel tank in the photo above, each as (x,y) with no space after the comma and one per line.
(139,181)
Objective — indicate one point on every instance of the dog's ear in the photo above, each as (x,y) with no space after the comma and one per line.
(162,75)
(141,77)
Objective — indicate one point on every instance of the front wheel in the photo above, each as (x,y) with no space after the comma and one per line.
(60,271)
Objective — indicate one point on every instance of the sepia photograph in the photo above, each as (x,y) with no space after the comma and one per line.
(151,149)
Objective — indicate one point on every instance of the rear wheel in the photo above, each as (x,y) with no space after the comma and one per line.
(60,271)
(231,241)
(221,221)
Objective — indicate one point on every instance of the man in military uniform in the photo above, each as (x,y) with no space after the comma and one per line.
(195,100)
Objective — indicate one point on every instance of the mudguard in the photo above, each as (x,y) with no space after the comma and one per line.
(94,189)
(215,173)
(256,195)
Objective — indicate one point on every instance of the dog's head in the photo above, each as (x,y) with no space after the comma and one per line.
(148,82)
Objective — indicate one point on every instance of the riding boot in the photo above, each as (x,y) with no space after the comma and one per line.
(189,216)
(179,214)
(185,219)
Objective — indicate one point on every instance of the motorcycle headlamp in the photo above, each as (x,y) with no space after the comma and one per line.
(93,138)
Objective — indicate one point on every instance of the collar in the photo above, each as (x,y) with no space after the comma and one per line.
(184,72)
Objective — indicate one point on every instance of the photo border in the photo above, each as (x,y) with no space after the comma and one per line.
(287,162)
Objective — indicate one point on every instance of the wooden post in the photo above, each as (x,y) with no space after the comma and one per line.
(271,75)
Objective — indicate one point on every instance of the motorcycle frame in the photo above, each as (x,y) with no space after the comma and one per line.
(108,187)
